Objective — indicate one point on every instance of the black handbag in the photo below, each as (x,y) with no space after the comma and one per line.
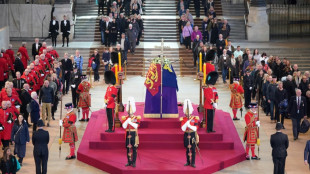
(304,127)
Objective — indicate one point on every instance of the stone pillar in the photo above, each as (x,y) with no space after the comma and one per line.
(258,27)
(4,37)
(60,11)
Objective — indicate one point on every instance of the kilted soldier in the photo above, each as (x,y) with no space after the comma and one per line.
(189,125)
(131,123)
(251,130)
(75,82)
(236,97)
(84,97)
(211,97)
(109,98)
(70,133)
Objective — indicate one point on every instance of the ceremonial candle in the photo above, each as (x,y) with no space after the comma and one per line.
(200,62)
(116,74)
(119,62)
(204,72)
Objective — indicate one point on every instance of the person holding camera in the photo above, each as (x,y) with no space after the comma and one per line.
(281,103)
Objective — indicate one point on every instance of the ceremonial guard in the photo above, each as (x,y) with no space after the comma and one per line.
(75,82)
(248,84)
(189,125)
(211,98)
(131,123)
(236,97)
(251,130)
(109,98)
(70,133)
(7,120)
(209,58)
(84,97)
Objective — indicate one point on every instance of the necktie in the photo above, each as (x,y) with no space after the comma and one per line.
(298,103)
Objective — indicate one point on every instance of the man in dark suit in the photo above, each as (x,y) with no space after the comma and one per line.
(248,84)
(307,153)
(40,140)
(105,27)
(279,144)
(65,29)
(220,45)
(75,81)
(54,30)
(36,47)
(25,99)
(101,6)
(297,109)
(67,67)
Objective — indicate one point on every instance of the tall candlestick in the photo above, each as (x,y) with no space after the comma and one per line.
(119,62)
(204,73)
(200,62)
(116,74)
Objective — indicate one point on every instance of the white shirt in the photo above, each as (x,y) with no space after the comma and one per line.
(122,43)
(106,24)
(65,22)
(54,22)
(37,46)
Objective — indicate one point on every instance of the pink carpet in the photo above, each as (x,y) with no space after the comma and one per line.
(161,147)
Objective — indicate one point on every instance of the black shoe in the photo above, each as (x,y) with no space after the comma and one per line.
(48,125)
(187,164)
(70,157)
(247,157)
(193,165)
(133,165)
(283,127)
(236,119)
(82,119)
(213,131)
(87,119)
(53,118)
(62,45)
(254,158)
(295,138)
(128,164)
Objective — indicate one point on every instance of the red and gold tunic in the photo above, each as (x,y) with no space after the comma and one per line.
(70,133)
(236,96)
(251,130)
(84,97)
(194,121)
(110,96)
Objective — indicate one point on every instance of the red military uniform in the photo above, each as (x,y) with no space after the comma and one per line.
(110,94)
(11,54)
(236,96)
(54,54)
(3,69)
(46,65)
(209,68)
(5,114)
(23,51)
(14,99)
(251,132)
(70,133)
(41,50)
(132,138)
(8,61)
(49,59)
(211,96)
(38,68)
(84,98)
(30,80)
(35,76)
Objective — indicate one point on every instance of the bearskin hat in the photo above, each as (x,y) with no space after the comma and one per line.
(114,57)
(109,77)
(210,55)
(212,78)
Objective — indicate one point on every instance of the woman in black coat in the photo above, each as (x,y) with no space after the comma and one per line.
(35,110)
(8,163)
(20,136)
(54,31)
(281,95)
(214,31)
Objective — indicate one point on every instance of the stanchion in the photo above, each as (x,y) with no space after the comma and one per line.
(200,77)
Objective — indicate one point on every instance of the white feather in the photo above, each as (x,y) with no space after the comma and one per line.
(132,105)
(190,109)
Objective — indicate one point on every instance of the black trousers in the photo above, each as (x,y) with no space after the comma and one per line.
(54,41)
(210,117)
(189,140)
(101,7)
(75,97)
(279,165)
(187,42)
(66,83)
(296,126)
(138,39)
(106,39)
(110,117)
(127,8)
(41,163)
(5,143)
(197,7)
(195,58)
(34,127)
(63,39)
(247,98)
(96,73)
(131,141)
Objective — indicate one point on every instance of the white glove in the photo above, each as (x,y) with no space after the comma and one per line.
(214,105)
(60,122)
(257,123)
(104,105)
(42,75)
(73,86)
(135,125)
(17,106)
(1,128)
(250,88)
(10,121)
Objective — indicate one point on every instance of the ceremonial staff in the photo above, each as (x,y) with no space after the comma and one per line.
(60,120)
(129,136)
(161,77)
(189,136)
(258,139)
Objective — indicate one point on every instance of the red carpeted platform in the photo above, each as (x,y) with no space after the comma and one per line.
(161,147)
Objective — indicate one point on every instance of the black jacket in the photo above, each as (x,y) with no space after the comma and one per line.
(12,164)
(75,79)
(35,51)
(65,29)
(25,99)
(271,92)
(290,88)
(18,84)
(248,82)
(19,66)
(279,144)
(40,140)
(280,96)
(292,108)
(46,95)
(54,29)
(67,65)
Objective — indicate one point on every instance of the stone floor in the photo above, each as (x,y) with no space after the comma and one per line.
(189,88)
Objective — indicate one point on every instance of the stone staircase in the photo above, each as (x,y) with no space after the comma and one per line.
(217,9)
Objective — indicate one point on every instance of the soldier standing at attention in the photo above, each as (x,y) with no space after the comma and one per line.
(109,98)
(236,97)
(84,97)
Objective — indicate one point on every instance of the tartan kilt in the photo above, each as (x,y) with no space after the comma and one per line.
(84,100)
(236,101)
(70,134)
(250,135)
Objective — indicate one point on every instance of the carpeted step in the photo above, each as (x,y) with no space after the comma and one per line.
(214,145)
